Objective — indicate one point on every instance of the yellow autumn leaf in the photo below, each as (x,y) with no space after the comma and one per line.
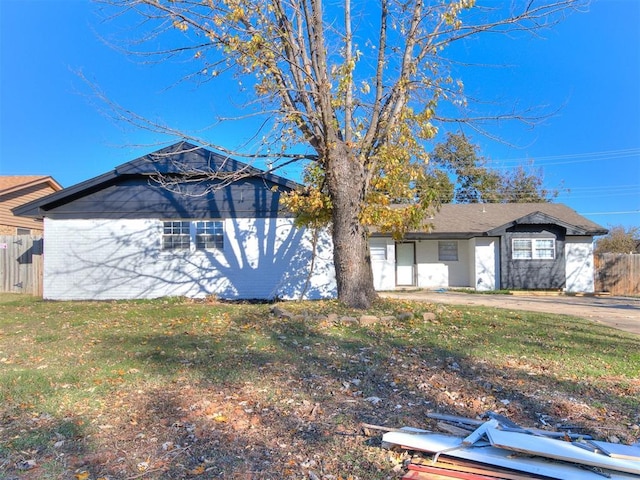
(182,26)
(81,475)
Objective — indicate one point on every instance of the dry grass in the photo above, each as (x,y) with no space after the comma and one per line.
(182,389)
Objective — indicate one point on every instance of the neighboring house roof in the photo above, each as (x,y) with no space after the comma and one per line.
(153,185)
(486,219)
(16,190)
(13,183)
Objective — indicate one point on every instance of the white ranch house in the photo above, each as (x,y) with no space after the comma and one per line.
(124,235)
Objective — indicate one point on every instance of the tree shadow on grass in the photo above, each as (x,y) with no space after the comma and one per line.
(37,445)
(281,397)
(269,400)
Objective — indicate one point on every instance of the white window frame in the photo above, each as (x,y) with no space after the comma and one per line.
(378,250)
(209,234)
(192,235)
(535,250)
(447,251)
(176,235)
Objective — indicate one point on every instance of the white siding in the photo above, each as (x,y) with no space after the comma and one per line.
(383,266)
(460,271)
(486,270)
(433,273)
(579,265)
(122,259)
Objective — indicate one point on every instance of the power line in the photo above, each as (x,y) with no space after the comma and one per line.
(604,187)
(568,159)
(612,213)
(599,195)
(629,152)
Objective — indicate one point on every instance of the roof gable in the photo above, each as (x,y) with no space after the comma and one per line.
(179,161)
(13,183)
(16,190)
(540,218)
(184,158)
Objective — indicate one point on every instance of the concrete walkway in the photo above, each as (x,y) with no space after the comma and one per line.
(622,313)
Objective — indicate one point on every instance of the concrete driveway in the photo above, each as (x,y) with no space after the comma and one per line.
(618,312)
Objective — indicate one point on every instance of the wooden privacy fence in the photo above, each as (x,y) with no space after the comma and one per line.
(617,273)
(21,264)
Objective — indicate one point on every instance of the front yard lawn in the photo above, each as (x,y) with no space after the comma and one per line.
(175,388)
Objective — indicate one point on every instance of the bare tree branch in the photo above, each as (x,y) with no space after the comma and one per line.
(304,64)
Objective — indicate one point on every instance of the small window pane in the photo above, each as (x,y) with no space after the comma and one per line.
(209,234)
(378,251)
(176,228)
(448,251)
(534,249)
(522,249)
(545,249)
(185,235)
(175,235)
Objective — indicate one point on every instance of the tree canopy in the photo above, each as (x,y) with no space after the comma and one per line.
(620,239)
(359,83)
(473,181)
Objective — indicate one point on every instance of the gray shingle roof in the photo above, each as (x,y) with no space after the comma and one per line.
(482,218)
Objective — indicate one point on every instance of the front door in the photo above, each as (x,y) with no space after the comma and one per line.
(405,263)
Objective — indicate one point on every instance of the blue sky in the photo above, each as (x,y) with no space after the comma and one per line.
(587,68)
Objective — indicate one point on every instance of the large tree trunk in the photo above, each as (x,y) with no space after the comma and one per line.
(354,278)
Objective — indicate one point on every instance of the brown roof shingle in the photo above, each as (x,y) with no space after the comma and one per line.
(479,218)
(10,183)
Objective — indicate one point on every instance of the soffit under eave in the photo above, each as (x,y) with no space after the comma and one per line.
(39,207)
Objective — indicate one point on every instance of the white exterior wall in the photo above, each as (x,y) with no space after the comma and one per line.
(437,274)
(383,263)
(477,265)
(579,265)
(460,271)
(486,267)
(433,273)
(122,259)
